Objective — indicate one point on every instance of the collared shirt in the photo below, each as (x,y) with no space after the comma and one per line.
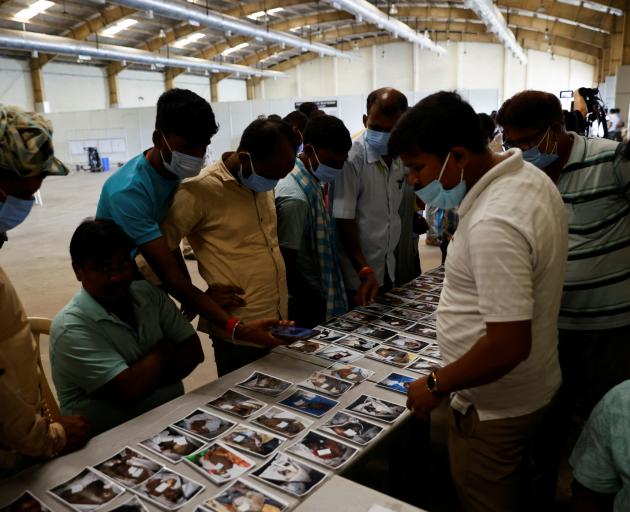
(233,232)
(137,198)
(595,188)
(370,192)
(506,263)
(601,457)
(24,431)
(90,346)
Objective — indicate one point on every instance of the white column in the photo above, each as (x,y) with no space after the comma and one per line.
(374,61)
(415,69)
(298,80)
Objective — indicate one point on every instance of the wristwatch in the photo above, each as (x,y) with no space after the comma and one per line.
(432,384)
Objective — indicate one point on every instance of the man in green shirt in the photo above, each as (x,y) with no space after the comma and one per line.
(120,347)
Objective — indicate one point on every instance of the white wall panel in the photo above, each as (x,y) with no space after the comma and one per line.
(15,84)
(232,90)
(72,87)
(318,77)
(393,64)
(355,75)
(545,73)
(197,84)
(139,88)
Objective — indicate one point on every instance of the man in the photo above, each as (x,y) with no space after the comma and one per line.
(497,317)
(601,457)
(367,197)
(30,427)
(305,229)
(228,215)
(120,347)
(139,194)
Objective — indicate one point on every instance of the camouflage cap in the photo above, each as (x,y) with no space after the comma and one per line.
(26,144)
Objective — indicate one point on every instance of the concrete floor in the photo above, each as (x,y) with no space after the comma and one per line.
(37,259)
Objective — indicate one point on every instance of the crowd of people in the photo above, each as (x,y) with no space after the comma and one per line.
(301,223)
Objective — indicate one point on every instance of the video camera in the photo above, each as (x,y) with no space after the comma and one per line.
(588,112)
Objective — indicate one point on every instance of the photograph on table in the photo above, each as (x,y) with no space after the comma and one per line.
(340,324)
(26,502)
(324,450)
(376,332)
(352,428)
(220,463)
(340,354)
(324,383)
(428,298)
(169,489)
(390,300)
(432,351)
(265,384)
(328,336)
(393,356)
(421,308)
(376,408)
(418,286)
(360,316)
(129,467)
(392,322)
(133,504)
(242,496)
(422,366)
(375,308)
(349,372)
(357,343)
(283,422)
(423,331)
(404,293)
(87,491)
(253,440)
(172,444)
(308,346)
(407,314)
(290,475)
(204,425)
(309,403)
(397,382)
(405,343)
(236,403)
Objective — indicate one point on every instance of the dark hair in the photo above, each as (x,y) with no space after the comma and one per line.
(262,138)
(328,132)
(184,113)
(308,107)
(436,124)
(487,126)
(275,117)
(297,119)
(530,109)
(98,240)
(395,104)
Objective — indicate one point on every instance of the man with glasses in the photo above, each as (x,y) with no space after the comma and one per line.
(593,177)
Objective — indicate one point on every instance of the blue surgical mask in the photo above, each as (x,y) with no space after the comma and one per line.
(536,157)
(378,141)
(325,173)
(434,194)
(181,164)
(255,182)
(13,211)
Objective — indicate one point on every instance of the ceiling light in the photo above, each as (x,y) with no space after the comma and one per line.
(33,10)
(121,25)
(234,49)
(189,39)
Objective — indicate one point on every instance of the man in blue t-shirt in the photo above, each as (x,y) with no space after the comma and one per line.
(139,194)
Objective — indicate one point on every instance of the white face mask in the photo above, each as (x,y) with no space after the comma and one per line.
(181,164)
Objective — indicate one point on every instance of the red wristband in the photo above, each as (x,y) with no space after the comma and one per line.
(230,324)
(365,271)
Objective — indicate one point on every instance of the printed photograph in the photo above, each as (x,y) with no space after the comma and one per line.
(290,475)
(133,504)
(324,383)
(390,300)
(420,286)
(360,317)
(242,496)
(376,408)
(237,404)
(205,425)
(432,351)
(340,324)
(27,502)
(254,441)
(375,331)
(393,356)
(129,467)
(169,489)
(323,450)
(429,298)
(220,463)
(283,422)
(265,384)
(172,444)
(397,382)
(328,336)
(309,403)
(351,428)
(340,354)
(87,491)
(397,324)
(351,373)
(308,346)
(423,331)
(422,366)
(375,308)
(421,308)
(357,343)
(407,314)
(405,343)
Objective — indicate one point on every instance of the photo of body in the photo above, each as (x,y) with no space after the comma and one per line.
(254,441)
(128,467)
(242,496)
(396,382)
(349,372)
(390,300)
(422,366)
(423,331)
(323,450)
(309,403)
(308,346)
(283,422)
(375,308)
(328,336)
(172,444)
(220,463)
(340,354)
(87,491)
(169,489)
(341,324)
(265,384)
(376,332)
(392,322)
(236,403)
(324,383)
(376,408)
(360,317)
(357,343)
(352,428)
(205,425)
(405,343)
(290,475)
(393,356)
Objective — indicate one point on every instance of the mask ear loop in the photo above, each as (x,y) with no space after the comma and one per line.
(444,166)
(546,135)
(251,163)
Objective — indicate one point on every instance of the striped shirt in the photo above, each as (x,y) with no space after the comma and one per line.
(595,187)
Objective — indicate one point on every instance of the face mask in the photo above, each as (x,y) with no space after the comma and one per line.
(435,195)
(324,173)
(254,182)
(536,157)
(181,165)
(377,140)
(13,211)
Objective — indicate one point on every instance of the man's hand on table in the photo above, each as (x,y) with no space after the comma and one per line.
(367,291)
(258,332)
(420,401)
(78,431)
(225,295)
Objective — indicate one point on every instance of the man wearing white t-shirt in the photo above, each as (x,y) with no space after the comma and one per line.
(497,317)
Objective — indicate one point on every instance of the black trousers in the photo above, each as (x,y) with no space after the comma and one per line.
(230,357)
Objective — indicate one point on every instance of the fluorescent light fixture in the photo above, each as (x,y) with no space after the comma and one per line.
(33,10)
(594,6)
(189,39)
(121,25)
(236,48)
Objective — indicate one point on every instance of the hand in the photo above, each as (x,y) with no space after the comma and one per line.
(78,431)
(226,296)
(258,332)
(367,291)
(189,312)
(420,401)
